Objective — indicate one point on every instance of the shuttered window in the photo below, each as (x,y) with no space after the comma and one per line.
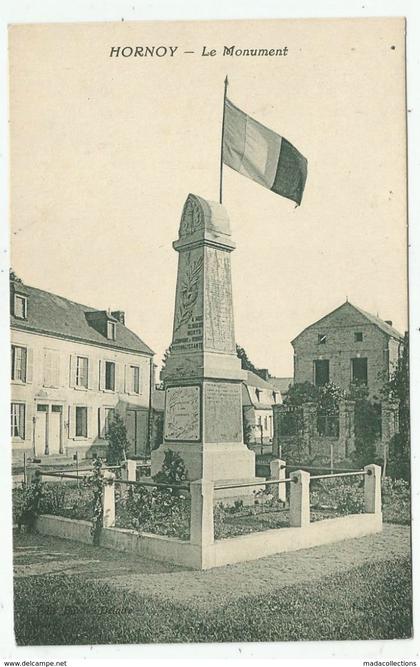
(110,375)
(21,306)
(135,379)
(18,363)
(82,370)
(17,417)
(81,421)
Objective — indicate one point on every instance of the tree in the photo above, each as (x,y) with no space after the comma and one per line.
(246,363)
(117,440)
(300,393)
(367,424)
(166,356)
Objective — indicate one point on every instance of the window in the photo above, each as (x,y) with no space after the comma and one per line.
(274,397)
(21,306)
(18,363)
(82,372)
(110,375)
(110,330)
(322,372)
(265,423)
(109,416)
(17,414)
(135,379)
(322,339)
(358,336)
(81,421)
(258,394)
(359,372)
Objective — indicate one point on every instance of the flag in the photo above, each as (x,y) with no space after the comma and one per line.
(262,155)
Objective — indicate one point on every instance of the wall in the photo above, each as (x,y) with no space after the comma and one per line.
(94,398)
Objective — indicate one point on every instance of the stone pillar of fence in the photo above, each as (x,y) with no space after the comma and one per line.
(108,499)
(389,425)
(32,470)
(202,522)
(278,472)
(299,512)
(346,438)
(309,413)
(372,490)
(128,473)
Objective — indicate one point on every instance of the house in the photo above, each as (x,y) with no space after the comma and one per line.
(258,398)
(71,367)
(347,345)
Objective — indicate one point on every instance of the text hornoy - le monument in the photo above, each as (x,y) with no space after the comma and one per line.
(203,375)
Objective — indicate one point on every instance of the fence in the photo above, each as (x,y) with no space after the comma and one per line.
(202,550)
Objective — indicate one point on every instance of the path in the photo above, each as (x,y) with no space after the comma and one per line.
(42,555)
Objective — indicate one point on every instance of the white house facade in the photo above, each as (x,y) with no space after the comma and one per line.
(72,367)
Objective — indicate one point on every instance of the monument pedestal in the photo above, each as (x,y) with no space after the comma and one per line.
(203,375)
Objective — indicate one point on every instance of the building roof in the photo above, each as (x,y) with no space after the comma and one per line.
(254,380)
(381,324)
(56,316)
(282,384)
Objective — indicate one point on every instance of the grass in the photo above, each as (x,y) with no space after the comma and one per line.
(372,601)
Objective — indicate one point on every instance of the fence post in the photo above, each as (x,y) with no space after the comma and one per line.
(202,522)
(31,471)
(372,490)
(108,499)
(299,513)
(128,473)
(278,471)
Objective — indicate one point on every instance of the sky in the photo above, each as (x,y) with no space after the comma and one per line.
(104,152)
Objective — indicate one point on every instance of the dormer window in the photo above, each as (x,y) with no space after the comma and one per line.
(111,330)
(21,306)
(258,393)
(322,339)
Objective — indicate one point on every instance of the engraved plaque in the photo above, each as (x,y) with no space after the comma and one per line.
(218,311)
(223,405)
(182,413)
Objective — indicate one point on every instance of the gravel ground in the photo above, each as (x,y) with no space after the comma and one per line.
(42,555)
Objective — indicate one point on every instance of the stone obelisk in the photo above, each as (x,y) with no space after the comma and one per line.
(203,375)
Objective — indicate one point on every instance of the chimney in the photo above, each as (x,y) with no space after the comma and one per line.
(388,322)
(119,315)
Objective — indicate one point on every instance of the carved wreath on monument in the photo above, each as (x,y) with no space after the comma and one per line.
(189,291)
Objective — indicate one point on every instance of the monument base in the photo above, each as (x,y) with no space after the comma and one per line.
(226,463)
(213,461)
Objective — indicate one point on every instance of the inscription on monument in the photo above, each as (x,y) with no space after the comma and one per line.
(223,405)
(182,413)
(219,331)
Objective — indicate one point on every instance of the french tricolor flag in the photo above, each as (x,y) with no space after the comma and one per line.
(262,155)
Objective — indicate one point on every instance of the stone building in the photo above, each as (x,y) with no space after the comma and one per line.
(71,367)
(258,398)
(347,345)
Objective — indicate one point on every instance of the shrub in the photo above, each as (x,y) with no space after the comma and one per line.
(165,511)
(28,506)
(396,501)
(117,440)
(343,495)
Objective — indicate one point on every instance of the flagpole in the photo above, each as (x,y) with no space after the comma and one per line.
(221,147)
